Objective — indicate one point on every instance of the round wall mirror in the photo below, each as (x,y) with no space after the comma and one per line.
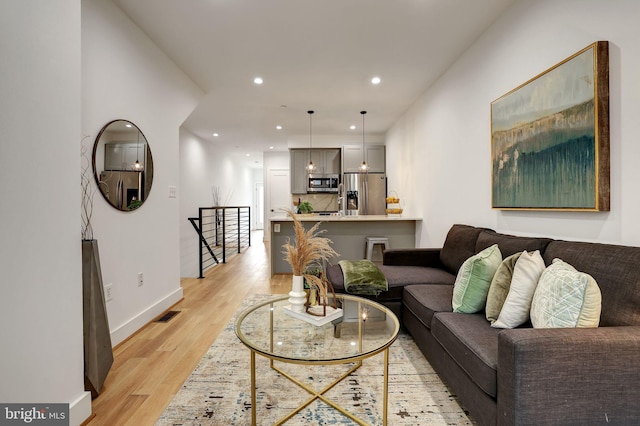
(122,165)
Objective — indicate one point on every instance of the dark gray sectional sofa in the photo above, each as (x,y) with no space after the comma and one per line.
(523,376)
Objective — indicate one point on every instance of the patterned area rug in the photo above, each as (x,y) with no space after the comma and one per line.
(218,391)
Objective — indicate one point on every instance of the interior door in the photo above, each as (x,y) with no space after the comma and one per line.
(259,206)
(279,194)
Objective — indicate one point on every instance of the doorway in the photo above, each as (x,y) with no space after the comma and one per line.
(258,206)
(279,196)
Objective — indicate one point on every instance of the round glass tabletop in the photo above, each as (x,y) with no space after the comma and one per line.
(365,329)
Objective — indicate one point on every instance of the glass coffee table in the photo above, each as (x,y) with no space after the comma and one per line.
(365,329)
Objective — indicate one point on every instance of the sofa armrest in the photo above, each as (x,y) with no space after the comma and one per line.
(413,257)
(569,376)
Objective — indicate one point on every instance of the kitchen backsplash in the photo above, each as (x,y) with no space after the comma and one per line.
(319,202)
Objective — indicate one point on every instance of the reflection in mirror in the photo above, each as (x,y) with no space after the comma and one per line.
(122,165)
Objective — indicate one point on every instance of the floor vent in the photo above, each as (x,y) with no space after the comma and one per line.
(167,316)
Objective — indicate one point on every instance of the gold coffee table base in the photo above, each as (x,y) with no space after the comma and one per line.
(319,394)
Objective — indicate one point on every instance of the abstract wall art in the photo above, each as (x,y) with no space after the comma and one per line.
(550,138)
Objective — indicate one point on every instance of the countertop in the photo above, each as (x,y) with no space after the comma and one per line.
(359,218)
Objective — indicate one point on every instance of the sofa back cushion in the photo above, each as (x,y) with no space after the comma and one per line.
(615,268)
(459,245)
(510,244)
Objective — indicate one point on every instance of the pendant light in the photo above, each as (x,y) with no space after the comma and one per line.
(310,167)
(137,166)
(364,167)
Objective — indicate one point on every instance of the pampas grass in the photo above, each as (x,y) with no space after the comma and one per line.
(309,249)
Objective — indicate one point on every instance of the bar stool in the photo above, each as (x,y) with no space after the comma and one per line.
(372,241)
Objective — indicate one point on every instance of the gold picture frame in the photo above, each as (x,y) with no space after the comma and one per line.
(550,138)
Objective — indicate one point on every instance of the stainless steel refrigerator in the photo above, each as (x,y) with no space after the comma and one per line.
(364,193)
(122,187)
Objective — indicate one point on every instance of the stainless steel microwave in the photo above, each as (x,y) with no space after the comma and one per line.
(323,183)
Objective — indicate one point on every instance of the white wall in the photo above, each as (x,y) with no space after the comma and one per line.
(40,243)
(438,153)
(124,75)
(203,165)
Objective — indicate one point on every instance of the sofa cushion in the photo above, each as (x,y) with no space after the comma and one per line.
(499,287)
(459,245)
(565,298)
(397,277)
(472,344)
(425,300)
(473,280)
(615,269)
(517,305)
(510,244)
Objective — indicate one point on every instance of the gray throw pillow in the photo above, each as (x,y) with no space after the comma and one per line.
(499,287)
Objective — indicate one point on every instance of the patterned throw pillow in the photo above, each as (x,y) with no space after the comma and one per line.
(499,287)
(473,280)
(565,298)
(517,305)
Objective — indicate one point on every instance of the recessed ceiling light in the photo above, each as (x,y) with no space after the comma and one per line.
(279,127)
(258,80)
(375,80)
(215,135)
(270,147)
(352,127)
(248,155)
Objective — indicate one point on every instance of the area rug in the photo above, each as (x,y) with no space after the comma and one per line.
(218,392)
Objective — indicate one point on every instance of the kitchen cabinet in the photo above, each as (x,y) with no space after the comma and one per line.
(121,156)
(352,158)
(376,158)
(326,160)
(299,159)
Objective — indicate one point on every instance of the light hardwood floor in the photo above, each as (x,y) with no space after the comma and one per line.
(150,367)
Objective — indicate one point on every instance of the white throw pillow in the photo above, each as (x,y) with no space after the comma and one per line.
(517,305)
(566,298)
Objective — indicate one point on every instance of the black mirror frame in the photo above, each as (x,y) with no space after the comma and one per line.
(147,170)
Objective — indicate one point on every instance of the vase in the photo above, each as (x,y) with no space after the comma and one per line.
(297,295)
(98,354)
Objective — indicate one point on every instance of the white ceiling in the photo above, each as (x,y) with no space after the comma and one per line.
(312,54)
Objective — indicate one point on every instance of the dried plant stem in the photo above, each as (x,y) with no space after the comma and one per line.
(87,192)
(309,248)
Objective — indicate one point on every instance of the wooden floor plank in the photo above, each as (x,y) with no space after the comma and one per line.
(151,366)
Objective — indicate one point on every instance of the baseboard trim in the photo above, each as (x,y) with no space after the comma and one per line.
(80,410)
(143,318)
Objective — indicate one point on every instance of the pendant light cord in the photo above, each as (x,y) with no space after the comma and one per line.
(310,166)
(364,166)
(310,135)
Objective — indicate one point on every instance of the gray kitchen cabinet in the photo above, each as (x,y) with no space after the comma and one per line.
(326,161)
(122,155)
(299,159)
(376,158)
(352,158)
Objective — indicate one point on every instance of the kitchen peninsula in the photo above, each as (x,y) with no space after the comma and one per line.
(347,234)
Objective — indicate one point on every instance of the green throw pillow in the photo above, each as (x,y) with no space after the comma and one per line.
(473,280)
(499,287)
(565,298)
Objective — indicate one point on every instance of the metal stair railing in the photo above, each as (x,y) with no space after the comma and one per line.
(220,229)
